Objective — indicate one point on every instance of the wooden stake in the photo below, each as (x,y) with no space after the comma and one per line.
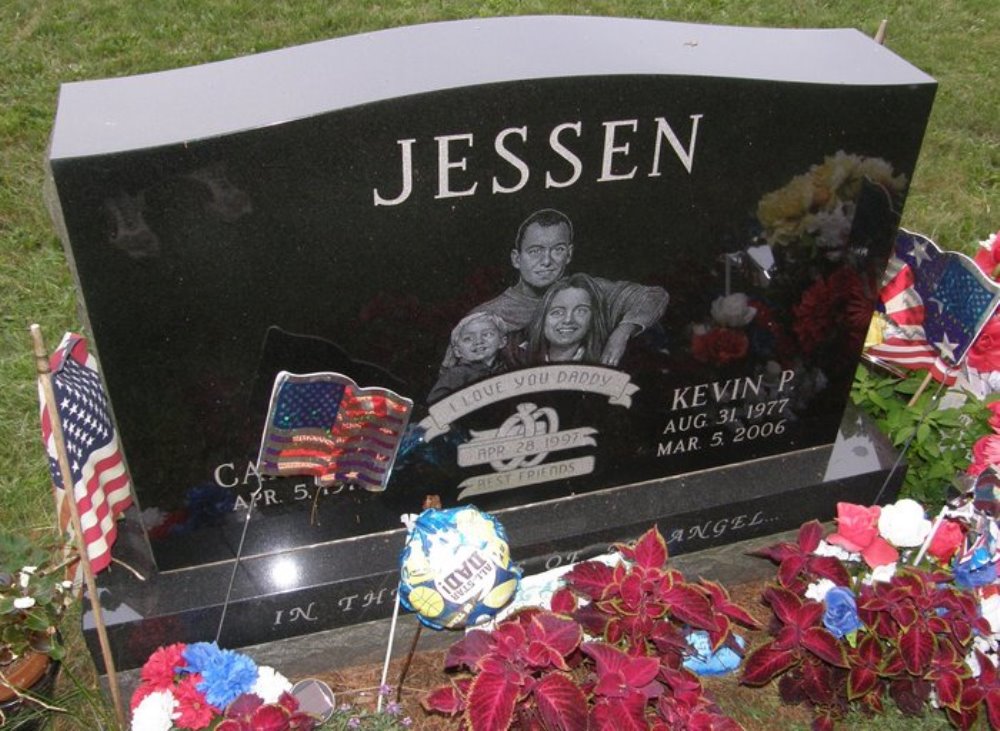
(45,382)
(880,33)
(920,390)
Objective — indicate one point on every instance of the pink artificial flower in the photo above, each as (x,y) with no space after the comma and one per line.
(857,531)
(994,422)
(159,670)
(946,541)
(985,452)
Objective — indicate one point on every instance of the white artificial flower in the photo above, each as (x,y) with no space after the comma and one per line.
(26,574)
(832,228)
(828,549)
(818,590)
(156,712)
(881,574)
(990,609)
(733,310)
(24,602)
(270,684)
(903,523)
(988,243)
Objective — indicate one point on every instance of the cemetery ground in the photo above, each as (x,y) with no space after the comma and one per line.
(953,198)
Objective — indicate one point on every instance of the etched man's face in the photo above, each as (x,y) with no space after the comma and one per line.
(543,255)
(567,320)
(479,341)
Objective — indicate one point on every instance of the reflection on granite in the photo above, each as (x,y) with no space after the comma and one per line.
(343,584)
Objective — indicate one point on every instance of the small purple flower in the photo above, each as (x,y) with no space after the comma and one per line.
(841,615)
(354,722)
(393,709)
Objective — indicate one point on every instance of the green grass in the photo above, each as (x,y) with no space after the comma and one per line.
(46,42)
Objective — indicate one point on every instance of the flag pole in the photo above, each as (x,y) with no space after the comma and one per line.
(45,383)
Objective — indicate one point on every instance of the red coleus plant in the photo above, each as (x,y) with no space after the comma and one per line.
(535,671)
(914,635)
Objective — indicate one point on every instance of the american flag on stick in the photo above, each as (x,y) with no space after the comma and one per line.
(938,302)
(324,425)
(101,485)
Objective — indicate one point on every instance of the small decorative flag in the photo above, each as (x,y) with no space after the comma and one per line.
(101,484)
(455,569)
(938,301)
(324,425)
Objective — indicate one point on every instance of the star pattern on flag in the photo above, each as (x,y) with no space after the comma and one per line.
(947,348)
(100,484)
(919,252)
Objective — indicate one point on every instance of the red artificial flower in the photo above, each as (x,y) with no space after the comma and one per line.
(985,452)
(827,303)
(857,531)
(946,541)
(989,259)
(720,346)
(159,670)
(195,712)
(994,422)
(984,355)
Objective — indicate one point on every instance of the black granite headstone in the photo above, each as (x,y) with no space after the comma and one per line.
(716,208)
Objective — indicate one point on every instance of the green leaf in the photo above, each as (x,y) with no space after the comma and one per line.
(923,433)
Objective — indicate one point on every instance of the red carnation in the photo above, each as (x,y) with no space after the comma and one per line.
(195,712)
(827,303)
(159,670)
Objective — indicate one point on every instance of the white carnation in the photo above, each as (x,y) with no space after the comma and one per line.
(156,712)
(270,684)
(733,310)
(903,524)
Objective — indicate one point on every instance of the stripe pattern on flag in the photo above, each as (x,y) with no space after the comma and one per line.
(100,482)
(324,425)
(937,303)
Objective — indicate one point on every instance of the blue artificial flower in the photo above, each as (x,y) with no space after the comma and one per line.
(706,662)
(200,655)
(970,574)
(225,675)
(841,615)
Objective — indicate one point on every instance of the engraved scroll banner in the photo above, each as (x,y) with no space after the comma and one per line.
(499,481)
(616,385)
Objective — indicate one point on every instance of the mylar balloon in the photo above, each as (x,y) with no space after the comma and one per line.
(455,569)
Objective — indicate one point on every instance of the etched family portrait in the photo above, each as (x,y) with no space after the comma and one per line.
(549,315)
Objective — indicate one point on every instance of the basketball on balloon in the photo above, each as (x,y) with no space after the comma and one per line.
(455,570)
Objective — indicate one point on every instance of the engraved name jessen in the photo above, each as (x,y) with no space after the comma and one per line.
(617,163)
